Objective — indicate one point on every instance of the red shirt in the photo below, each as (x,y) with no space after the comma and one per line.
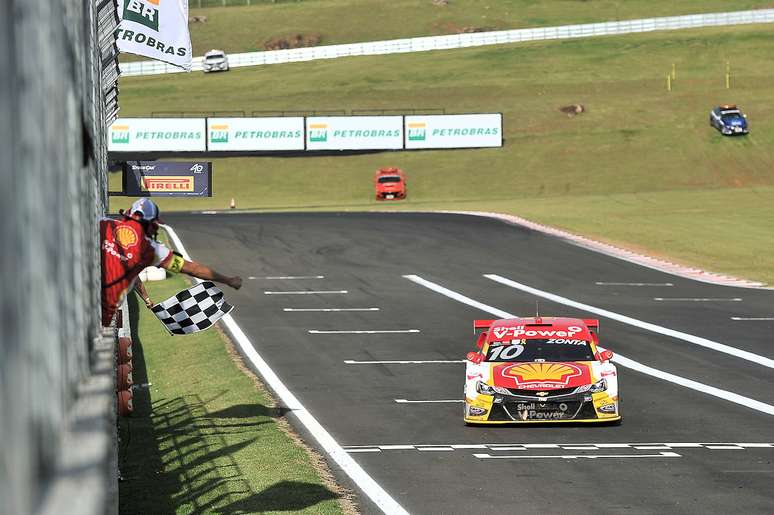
(125,251)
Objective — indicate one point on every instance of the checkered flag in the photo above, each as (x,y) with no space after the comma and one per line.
(192,310)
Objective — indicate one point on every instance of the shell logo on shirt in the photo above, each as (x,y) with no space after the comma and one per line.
(126,236)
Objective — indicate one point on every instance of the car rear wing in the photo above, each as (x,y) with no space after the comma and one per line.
(481,324)
(592,324)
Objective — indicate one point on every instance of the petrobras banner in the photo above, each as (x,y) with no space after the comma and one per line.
(454,131)
(155,28)
(167,179)
(354,133)
(157,134)
(281,133)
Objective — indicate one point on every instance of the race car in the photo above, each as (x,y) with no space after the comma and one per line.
(542,369)
(390,184)
(729,119)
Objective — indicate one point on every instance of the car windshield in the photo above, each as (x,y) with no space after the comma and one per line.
(551,349)
(389,178)
(214,57)
(730,117)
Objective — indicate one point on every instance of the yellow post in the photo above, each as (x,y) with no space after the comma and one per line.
(669,82)
(674,71)
(728,81)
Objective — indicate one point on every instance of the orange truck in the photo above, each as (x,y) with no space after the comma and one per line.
(390,184)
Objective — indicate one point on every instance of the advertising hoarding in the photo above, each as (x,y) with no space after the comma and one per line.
(168,179)
(157,134)
(267,134)
(354,133)
(454,131)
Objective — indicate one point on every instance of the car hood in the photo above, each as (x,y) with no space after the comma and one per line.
(540,376)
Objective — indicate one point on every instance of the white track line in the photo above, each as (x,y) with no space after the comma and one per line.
(402,362)
(748,319)
(565,446)
(696,340)
(304,292)
(689,299)
(619,359)
(366,483)
(288,277)
(328,310)
(578,456)
(600,283)
(401,331)
(458,296)
(406,401)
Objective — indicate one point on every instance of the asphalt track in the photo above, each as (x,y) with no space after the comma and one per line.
(680,449)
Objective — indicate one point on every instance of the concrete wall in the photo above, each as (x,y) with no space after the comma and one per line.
(52,193)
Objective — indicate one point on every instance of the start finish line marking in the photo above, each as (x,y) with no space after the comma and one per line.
(577,456)
(600,283)
(387,331)
(328,310)
(402,362)
(304,292)
(287,277)
(406,401)
(692,299)
(527,447)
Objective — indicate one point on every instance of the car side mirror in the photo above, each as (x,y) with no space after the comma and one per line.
(475,357)
(481,340)
(605,355)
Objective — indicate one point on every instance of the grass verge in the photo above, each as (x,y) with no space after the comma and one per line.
(247,28)
(206,437)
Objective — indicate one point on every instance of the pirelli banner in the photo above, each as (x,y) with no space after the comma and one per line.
(454,131)
(255,134)
(167,179)
(158,134)
(354,133)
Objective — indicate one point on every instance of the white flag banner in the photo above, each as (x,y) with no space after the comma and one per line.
(155,28)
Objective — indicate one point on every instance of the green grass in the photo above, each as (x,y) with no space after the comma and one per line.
(709,196)
(204,438)
(246,29)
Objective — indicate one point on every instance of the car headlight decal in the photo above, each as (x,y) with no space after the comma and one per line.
(483,388)
(599,386)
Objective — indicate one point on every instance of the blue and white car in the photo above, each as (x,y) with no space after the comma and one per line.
(729,119)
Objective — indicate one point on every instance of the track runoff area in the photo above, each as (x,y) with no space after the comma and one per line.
(360,323)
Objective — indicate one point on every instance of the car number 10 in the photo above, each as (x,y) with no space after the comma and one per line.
(505,352)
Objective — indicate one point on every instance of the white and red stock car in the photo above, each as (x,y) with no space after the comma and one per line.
(547,369)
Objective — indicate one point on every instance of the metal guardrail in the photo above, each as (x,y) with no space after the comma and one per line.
(423,44)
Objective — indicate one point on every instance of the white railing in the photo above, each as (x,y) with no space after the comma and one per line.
(423,44)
